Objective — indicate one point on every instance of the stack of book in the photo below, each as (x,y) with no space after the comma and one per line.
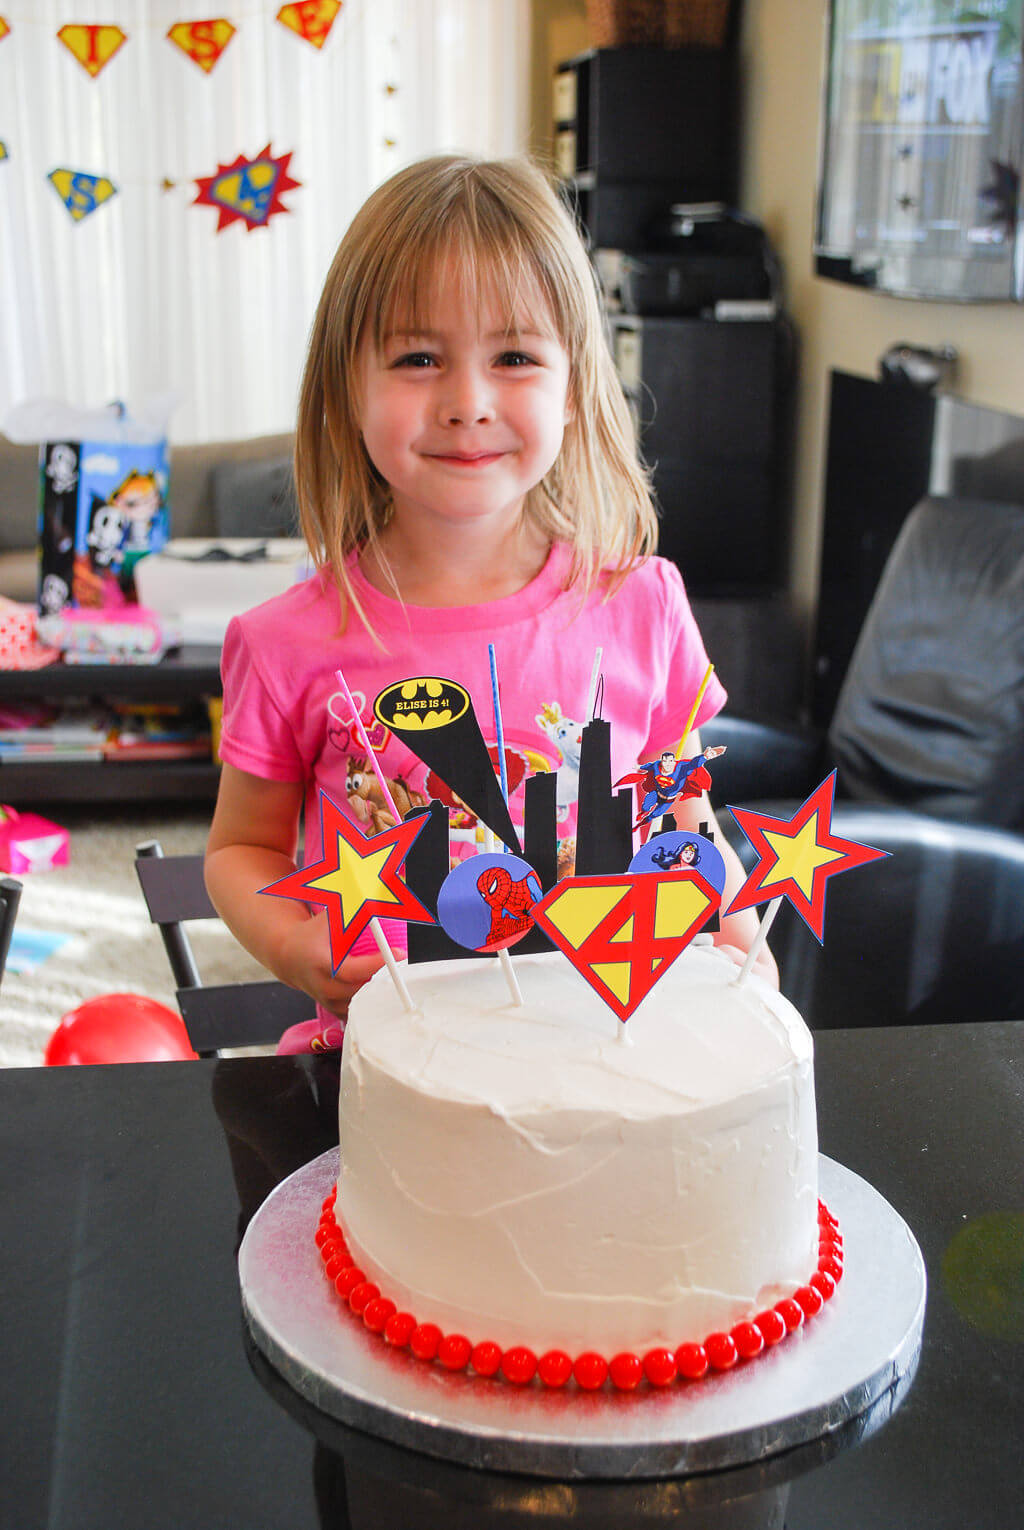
(48,734)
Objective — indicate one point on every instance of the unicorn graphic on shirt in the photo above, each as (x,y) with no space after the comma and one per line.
(567,737)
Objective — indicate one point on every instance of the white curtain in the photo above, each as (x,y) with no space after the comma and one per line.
(142,296)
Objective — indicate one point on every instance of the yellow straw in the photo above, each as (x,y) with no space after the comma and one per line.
(693,711)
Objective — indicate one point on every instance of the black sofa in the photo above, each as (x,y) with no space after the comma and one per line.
(927,740)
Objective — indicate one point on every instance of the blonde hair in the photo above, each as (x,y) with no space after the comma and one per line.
(503,226)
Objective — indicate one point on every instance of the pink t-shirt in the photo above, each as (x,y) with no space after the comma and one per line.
(285,719)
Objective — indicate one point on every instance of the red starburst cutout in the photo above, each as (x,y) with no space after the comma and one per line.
(622,933)
(796,856)
(356,878)
(248,190)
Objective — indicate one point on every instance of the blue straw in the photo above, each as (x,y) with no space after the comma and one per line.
(499,730)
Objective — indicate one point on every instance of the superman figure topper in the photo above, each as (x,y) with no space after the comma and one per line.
(664,780)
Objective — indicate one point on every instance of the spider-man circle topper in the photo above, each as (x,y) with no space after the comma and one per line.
(485,902)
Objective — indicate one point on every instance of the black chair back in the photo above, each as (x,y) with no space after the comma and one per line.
(931,712)
(10,897)
(218,1016)
(932,934)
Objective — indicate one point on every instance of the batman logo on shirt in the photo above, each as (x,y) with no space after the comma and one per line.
(415,706)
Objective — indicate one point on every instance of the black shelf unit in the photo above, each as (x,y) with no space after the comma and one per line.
(190,674)
(637,129)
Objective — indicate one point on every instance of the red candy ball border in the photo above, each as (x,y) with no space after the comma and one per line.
(519,1365)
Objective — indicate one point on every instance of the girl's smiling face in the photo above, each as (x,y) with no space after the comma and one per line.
(463,417)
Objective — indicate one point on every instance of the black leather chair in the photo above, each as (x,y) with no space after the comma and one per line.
(763,759)
(220,1016)
(928,740)
(932,934)
(930,715)
(10,897)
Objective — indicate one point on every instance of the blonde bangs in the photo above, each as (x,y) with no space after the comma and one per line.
(477,240)
(500,230)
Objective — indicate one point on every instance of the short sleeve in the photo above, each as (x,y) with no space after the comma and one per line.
(254,735)
(686,664)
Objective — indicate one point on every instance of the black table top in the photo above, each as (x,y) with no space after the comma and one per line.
(131,1397)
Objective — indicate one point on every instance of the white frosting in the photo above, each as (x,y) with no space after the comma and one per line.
(529,1175)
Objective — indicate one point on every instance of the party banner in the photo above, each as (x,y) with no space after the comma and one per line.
(202,41)
(80,192)
(92,46)
(311,20)
(248,190)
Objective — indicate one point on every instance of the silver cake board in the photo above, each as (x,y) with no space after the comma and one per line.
(861,1345)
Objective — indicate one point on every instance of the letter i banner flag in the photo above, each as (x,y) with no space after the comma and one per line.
(434,718)
(622,933)
(356,878)
(92,46)
(797,856)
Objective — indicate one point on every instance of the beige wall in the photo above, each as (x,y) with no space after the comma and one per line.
(782,45)
(559,32)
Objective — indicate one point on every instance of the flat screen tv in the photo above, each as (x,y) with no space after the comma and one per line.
(920,170)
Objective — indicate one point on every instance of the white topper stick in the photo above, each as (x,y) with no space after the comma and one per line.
(759,939)
(489,842)
(490,845)
(595,675)
(375,926)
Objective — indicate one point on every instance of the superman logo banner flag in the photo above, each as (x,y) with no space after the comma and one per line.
(248,190)
(81,193)
(797,856)
(311,20)
(356,878)
(202,41)
(622,933)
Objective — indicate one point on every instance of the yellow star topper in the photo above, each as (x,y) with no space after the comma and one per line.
(797,856)
(356,877)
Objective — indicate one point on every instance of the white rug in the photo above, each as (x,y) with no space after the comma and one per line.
(96,899)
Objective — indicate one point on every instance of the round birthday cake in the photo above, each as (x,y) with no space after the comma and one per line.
(538,1186)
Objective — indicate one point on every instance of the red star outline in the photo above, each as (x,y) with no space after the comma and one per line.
(851,854)
(227,214)
(638,902)
(335,829)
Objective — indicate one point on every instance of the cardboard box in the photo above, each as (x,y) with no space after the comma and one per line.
(201,583)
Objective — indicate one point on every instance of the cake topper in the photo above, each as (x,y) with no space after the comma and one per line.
(796,858)
(356,878)
(486,902)
(622,933)
(434,718)
(678,850)
(663,781)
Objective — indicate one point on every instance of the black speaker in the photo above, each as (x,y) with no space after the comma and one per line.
(709,398)
(878,465)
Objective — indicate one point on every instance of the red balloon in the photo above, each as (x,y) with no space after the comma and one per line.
(119,1027)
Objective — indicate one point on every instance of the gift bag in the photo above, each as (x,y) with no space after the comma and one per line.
(103,482)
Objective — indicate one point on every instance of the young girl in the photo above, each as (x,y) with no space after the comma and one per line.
(467,474)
